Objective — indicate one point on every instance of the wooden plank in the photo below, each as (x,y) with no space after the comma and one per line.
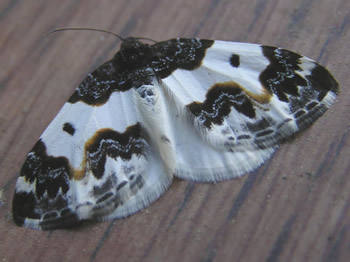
(294,208)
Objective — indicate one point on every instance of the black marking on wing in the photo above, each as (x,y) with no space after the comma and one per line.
(178,53)
(23,206)
(121,185)
(138,64)
(109,143)
(105,191)
(299,113)
(235,60)
(68,128)
(50,201)
(303,94)
(265,133)
(322,81)
(108,195)
(259,125)
(51,177)
(110,183)
(50,174)
(217,105)
(280,76)
(242,137)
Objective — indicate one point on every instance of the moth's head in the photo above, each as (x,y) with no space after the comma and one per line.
(133,52)
(131,41)
(133,45)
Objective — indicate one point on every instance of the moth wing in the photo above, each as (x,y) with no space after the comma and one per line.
(233,110)
(92,162)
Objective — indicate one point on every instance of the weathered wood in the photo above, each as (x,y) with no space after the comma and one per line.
(294,208)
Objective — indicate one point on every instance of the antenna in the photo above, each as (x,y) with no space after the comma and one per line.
(83,29)
(93,29)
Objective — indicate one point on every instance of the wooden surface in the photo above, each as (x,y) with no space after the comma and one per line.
(294,208)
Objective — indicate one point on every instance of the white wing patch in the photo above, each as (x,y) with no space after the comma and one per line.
(197,109)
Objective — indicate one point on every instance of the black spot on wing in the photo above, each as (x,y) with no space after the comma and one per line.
(234,60)
(242,137)
(165,139)
(66,218)
(265,133)
(106,196)
(106,190)
(137,183)
(68,128)
(138,64)
(311,105)
(108,185)
(217,105)
(322,81)
(121,185)
(299,113)
(23,206)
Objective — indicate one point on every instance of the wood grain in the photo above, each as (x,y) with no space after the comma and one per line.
(296,207)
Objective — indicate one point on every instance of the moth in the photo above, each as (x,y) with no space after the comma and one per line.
(202,110)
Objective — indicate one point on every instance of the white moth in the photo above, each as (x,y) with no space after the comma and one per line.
(197,109)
